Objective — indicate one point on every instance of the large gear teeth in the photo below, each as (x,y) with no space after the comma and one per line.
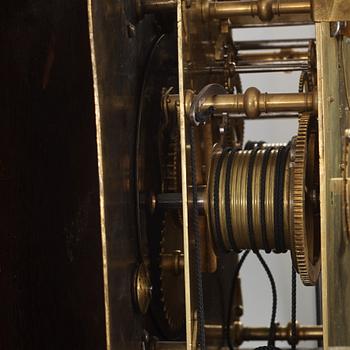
(171,285)
(307,266)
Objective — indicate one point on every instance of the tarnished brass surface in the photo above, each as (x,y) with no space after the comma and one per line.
(331,10)
(117,84)
(333,81)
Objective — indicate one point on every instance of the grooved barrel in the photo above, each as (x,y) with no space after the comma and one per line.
(249,198)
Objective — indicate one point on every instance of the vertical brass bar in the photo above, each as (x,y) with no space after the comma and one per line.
(101,177)
(333,56)
(182,121)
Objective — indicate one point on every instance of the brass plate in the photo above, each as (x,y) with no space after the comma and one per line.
(118,47)
(331,10)
(199,44)
(335,245)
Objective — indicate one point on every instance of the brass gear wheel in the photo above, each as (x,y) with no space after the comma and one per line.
(172,172)
(171,281)
(306,81)
(305,211)
(308,78)
(171,181)
(171,274)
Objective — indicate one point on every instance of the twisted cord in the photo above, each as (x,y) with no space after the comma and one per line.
(231,296)
(271,341)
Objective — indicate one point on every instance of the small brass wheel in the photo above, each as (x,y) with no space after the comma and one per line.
(142,288)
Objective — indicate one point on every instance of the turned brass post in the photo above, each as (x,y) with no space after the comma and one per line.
(274,56)
(240,334)
(265,10)
(267,61)
(285,44)
(253,103)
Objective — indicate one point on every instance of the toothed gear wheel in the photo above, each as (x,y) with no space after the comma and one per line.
(172,171)
(306,81)
(305,214)
(171,278)
(171,282)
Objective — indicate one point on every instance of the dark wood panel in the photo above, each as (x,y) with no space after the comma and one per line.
(51,269)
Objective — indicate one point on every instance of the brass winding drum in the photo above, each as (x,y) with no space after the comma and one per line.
(259,198)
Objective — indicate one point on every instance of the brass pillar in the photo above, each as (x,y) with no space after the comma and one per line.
(240,334)
(265,10)
(274,56)
(253,103)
